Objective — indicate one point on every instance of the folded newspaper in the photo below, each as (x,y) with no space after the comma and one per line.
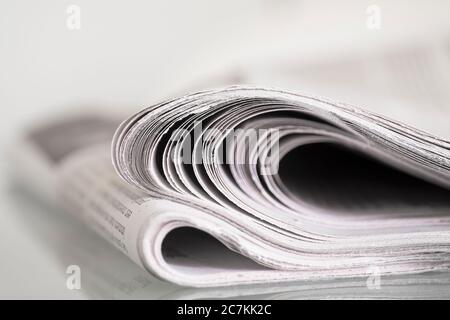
(249,185)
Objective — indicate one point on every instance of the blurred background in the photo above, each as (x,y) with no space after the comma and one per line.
(59,56)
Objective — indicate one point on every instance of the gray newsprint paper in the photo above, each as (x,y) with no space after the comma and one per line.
(248,185)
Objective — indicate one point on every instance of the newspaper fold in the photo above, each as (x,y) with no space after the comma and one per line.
(249,185)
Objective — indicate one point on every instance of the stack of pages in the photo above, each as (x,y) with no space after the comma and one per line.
(250,185)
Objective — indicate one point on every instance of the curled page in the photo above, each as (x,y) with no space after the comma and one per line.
(249,185)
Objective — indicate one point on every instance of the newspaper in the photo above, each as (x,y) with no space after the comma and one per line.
(109,274)
(249,185)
